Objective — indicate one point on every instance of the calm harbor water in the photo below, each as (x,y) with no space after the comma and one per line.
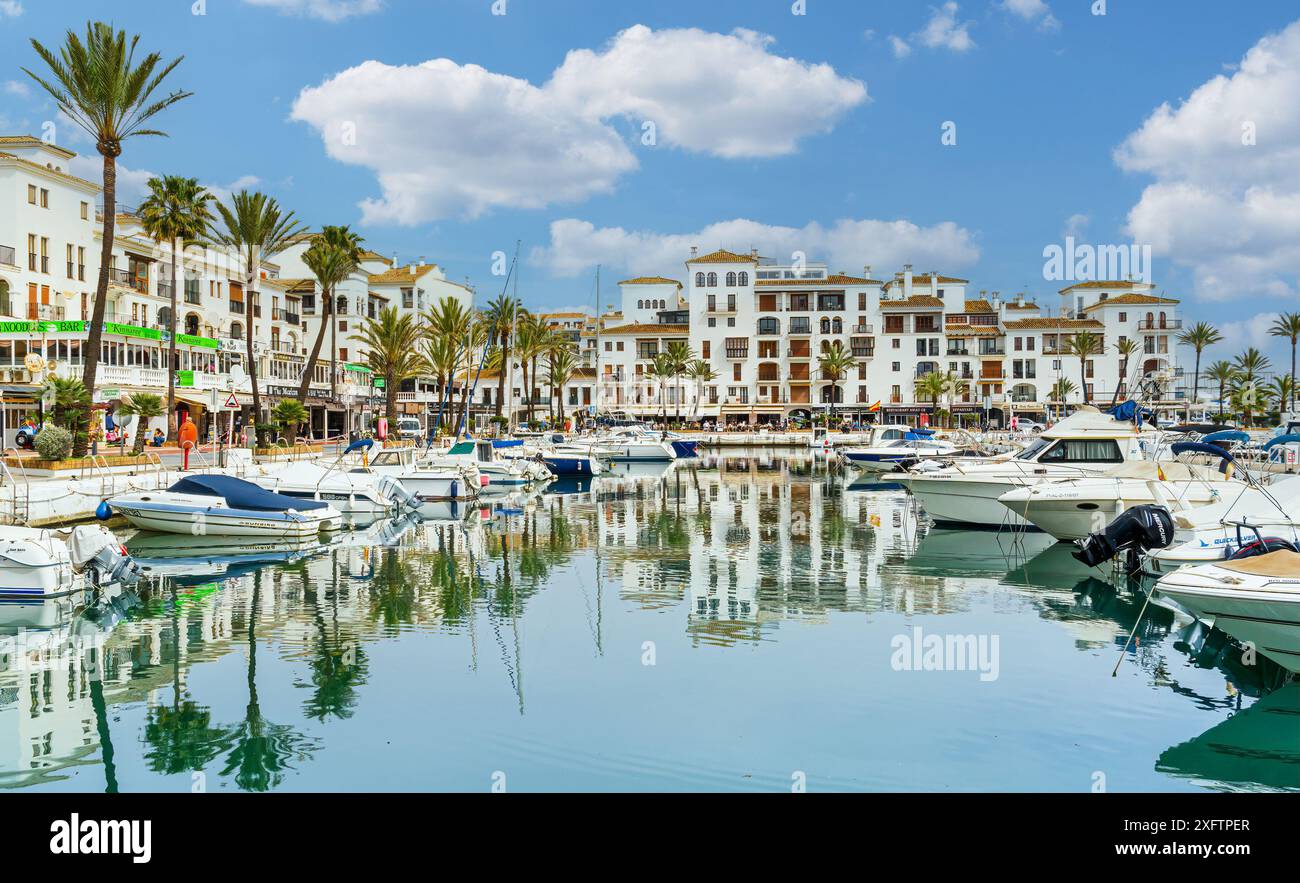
(745,622)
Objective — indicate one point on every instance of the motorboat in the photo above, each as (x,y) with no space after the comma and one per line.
(37,563)
(890,455)
(222,505)
(1254,599)
(1220,530)
(572,460)
(1073,508)
(355,492)
(430,478)
(194,560)
(1087,443)
(629,444)
(503,474)
(525,454)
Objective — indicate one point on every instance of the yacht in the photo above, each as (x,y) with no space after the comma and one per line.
(430,479)
(1255,600)
(356,492)
(572,460)
(629,444)
(1087,443)
(503,474)
(890,455)
(37,563)
(222,505)
(1073,508)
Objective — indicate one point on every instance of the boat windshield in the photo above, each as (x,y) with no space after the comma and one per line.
(1034,449)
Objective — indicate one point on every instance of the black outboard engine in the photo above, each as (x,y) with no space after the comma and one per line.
(1141,529)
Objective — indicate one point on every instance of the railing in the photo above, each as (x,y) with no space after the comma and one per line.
(864,352)
(957,352)
(768,330)
(796,328)
(8,256)
(792,354)
(291,318)
(192,297)
(237,307)
(129,279)
(257,311)
(737,353)
(164,289)
(992,375)
(44,311)
(863,329)
(1160,324)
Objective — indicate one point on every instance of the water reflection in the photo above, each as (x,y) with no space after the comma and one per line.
(577,623)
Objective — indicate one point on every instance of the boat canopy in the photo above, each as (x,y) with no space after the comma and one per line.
(359,445)
(1132,412)
(1180,448)
(919,435)
(507,442)
(1226,435)
(461,448)
(240,494)
(1289,439)
(1199,428)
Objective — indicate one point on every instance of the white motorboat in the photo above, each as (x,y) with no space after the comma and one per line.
(503,474)
(890,455)
(222,505)
(1255,600)
(36,563)
(1087,443)
(356,492)
(632,445)
(430,479)
(1073,508)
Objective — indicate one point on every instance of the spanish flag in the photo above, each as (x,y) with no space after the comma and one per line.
(875,407)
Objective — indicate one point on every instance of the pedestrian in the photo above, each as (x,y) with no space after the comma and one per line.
(189,436)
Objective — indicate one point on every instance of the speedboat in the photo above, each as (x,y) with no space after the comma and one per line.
(632,445)
(37,563)
(890,455)
(572,460)
(503,474)
(1087,443)
(356,492)
(430,479)
(1255,600)
(1247,516)
(222,505)
(1073,508)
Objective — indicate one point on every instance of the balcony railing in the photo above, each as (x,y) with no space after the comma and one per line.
(862,329)
(8,256)
(768,330)
(798,354)
(45,311)
(733,353)
(291,318)
(130,280)
(863,352)
(192,297)
(1160,324)
(992,375)
(237,307)
(796,328)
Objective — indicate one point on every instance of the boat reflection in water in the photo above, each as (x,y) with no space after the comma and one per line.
(570,636)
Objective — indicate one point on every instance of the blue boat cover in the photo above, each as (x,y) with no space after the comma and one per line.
(1199,448)
(507,442)
(1291,438)
(1226,435)
(1131,412)
(360,444)
(240,494)
(918,436)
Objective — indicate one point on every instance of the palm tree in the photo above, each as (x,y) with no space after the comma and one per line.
(1249,398)
(1127,349)
(1061,390)
(562,362)
(144,406)
(255,227)
(1251,365)
(290,414)
(679,359)
(661,371)
(835,363)
(1288,325)
(1225,375)
(71,405)
(98,85)
(1281,390)
(1084,344)
(332,257)
(1198,337)
(701,372)
(175,212)
(392,352)
(502,313)
(532,336)
(448,323)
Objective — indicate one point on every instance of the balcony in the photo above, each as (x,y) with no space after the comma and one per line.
(986,352)
(862,329)
(237,307)
(863,351)
(291,318)
(192,297)
(719,309)
(956,351)
(992,374)
(768,329)
(1160,324)
(737,353)
(798,354)
(45,311)
(128,279)
(165,289)
(8,256)
(800,329)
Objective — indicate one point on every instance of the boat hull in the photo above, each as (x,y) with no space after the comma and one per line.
(965,502)
(223,522)
(1267,618)
(572,466)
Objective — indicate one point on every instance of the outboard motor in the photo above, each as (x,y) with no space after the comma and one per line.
(94,550)
(1139,529)
(393,489)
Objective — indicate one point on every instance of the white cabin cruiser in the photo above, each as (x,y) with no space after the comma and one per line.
(1087,443)
(1073,508)
(356,492)
(889,456)
(1255,600)
(503,474)
(430,479)
(222,505)
(36,563)
(632,445)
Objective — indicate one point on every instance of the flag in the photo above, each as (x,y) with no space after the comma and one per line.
(875,407)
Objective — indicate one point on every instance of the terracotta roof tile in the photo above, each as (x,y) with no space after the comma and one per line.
(722,256)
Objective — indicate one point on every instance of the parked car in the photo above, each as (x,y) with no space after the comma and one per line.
(409,428)
(1023,425)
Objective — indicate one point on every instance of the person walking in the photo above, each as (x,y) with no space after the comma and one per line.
(189,437)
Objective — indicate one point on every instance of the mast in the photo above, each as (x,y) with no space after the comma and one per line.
(595,396)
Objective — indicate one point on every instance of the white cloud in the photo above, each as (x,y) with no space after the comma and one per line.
(326,10)
(1245,333)
(900,46)
(1225,208)
(448,139)
(1077,224)
(1033,11)
(10,9)
(943,31)
(577,246)
(132,184)
(14,87)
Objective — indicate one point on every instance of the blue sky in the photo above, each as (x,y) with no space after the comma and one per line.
(839,155)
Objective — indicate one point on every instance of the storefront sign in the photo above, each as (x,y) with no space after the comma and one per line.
(185,378)
(194,340)
(132,331)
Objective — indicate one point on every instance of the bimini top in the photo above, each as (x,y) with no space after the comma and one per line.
(240,494)
(1226,435)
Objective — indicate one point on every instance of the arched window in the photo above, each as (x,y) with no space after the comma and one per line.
(743,279)
(713,280)
(731,280)
(699,280)
(768,325)
(1162,319)
(640,305)
(1151,320)
(826,328)
(192,324)
(837,326)
(5,307)
(165,317)
(341,305)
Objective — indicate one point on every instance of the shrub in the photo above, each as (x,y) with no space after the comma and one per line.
(54,443)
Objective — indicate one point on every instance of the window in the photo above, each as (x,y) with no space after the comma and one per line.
(1083,450)
(862,300)
(31,194)
(618,346)
(640,305)
(45,198)
(1029,344)
(731,303)
(735,372)
(769,326)
(713,323)
(731,280)
(895,366)
(713,280)
(705,349)
(1123,317)
(743,279)
(31,252)
(713,303)
(71,263)
(699,280)
(85,211)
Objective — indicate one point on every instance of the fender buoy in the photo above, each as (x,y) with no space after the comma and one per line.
(104,511)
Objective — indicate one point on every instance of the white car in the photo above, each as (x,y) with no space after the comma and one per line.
(409,427)
(1022,425)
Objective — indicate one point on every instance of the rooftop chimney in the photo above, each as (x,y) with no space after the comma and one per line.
(907,281)
(421,260)
(753,252)
(695,251)
(866,271)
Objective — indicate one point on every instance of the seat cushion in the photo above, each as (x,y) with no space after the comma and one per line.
(1281,564)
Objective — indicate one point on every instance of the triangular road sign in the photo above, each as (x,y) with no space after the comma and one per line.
(232,403)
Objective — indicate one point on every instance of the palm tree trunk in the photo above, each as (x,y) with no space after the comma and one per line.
(1083,378)
(171,357)
(1293,344)
(95,337)
(1196,386)
(249,294)
(390,402)
(501,375)
(334,346)
(528,392)
(315,354)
